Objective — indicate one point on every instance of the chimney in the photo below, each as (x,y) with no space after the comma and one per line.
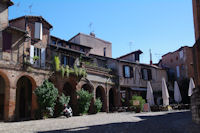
(150,57)
(92,34)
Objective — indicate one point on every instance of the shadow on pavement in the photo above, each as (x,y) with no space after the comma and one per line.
(179,122)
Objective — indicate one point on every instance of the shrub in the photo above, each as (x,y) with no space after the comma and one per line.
(46,98)
(57,63)
(62,71)
(98,105)
(61,101)
(84,100)
(139,107)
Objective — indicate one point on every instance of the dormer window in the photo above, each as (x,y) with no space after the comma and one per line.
(38,30)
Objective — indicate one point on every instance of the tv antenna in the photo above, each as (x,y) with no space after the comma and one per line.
(90,26)
(30,8)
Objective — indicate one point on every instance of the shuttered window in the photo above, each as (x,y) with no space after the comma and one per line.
(127,71)
(146,74)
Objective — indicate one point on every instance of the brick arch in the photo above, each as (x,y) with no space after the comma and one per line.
(101,93)
(70,90)
(6,95)
(33,103)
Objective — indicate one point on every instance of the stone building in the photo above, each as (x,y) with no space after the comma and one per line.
(195,98)
(101,47)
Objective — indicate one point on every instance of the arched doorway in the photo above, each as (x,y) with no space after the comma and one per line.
(2,97)
(111,100)
(24,98)
(89,88)
(68,90)
(100,93)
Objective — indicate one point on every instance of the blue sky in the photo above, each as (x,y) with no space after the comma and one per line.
(159,25)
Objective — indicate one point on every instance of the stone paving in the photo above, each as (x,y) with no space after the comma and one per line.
(156,122)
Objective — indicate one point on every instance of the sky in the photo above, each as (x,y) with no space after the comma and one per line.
(160,25)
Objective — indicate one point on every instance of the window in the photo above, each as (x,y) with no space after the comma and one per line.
(60,44)
(128,71)
(176,57)
(171,60)
(82,49)
(146,74)
(104,51)
(37,52)
(53,42)
(137,57)
(71,61)
(181,54)
(38,30)
(64,60)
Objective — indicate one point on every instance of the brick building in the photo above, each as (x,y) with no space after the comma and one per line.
(178,63)
(195,98)
(27,37)
(101,47)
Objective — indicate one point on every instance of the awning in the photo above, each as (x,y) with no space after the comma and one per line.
(139,89)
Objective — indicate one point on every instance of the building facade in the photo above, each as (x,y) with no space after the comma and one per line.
(27,51)
(195,98)
(179,63)
(101,47)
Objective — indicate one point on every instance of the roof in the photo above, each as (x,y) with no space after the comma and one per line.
(71,42)
(142,64)
(137,51)
(177,50)
(67,49)
(27,16)
(16,29)
(8,2)
(90,37)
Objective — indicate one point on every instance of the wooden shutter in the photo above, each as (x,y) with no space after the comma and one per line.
(142,72)
(149,74)
(41,31)
(131,71)
(38,30)
(43,57)
(31,53)
(124,71)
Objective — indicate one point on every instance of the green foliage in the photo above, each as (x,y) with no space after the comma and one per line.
(57,63)
(79,72)
(46,98)
(35,58)
(76,70)
(141,102)
(84,100)
(62,71)
(98,105)
(61,101)
(67,71)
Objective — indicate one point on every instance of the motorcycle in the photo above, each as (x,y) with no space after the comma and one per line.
(67,111)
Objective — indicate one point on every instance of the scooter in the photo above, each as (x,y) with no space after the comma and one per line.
(67,111)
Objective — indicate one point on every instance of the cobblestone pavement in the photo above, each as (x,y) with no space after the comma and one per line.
(157,122)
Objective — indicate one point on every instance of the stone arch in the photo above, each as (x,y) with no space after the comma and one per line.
(69,90)
(100,93)
(26,102)
(4,95)
(112,99)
